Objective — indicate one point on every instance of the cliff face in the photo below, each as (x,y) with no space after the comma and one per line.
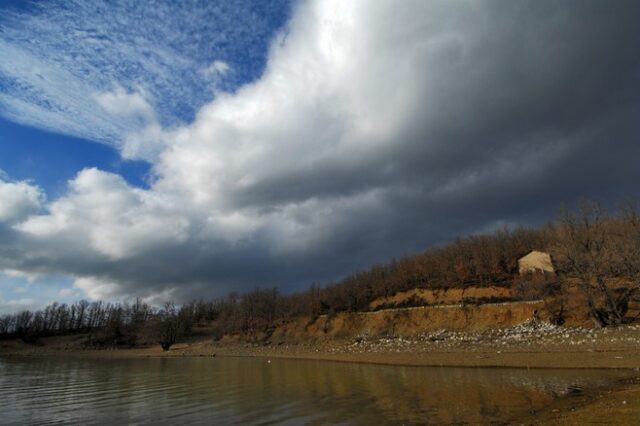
(410,321)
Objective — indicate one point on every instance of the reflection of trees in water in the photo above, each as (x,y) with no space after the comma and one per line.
(251,390)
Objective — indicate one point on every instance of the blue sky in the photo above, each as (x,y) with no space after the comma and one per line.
(58,53)
(176,150)
(52,159)
(166,50)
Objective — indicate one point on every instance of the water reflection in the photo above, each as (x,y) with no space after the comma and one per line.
(252,391)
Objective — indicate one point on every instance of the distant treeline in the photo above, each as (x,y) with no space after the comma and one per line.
(588,245)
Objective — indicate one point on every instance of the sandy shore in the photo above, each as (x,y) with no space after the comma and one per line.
(617,406)
(518,347)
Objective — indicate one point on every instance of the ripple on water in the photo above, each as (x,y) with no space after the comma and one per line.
(45,391)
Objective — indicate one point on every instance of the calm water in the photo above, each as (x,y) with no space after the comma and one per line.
(252,391)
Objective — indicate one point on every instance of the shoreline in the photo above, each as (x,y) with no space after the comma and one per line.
(526,346)
(539,347)
(620,400)
(434,360)
(538,360)
(520,347)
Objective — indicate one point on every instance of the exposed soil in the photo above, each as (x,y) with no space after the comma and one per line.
(422,296)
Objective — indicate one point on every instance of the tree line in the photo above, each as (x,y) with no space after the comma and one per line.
(588,244)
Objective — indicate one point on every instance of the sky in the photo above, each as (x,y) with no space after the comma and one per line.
(178,150)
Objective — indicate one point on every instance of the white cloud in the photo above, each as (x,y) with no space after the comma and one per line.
(157,299)
(29,277)
(216,69)
(146,142)
(97,289)
(121,102)
(18,200)
(106,216)
(67,293)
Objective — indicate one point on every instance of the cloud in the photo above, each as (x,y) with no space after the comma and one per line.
(18,200)
(373,132)
(103,214)
(19,292)
(67,292)
(28,277)
(96,288)
(16,305)
(216,69)
(62,52)
(120,102)
(144,143)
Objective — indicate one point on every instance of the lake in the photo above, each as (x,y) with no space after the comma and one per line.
(58,390)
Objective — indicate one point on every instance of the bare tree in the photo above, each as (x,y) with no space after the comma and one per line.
(584,252)
(166,326)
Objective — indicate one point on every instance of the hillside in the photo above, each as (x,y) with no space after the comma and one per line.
(471,283)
